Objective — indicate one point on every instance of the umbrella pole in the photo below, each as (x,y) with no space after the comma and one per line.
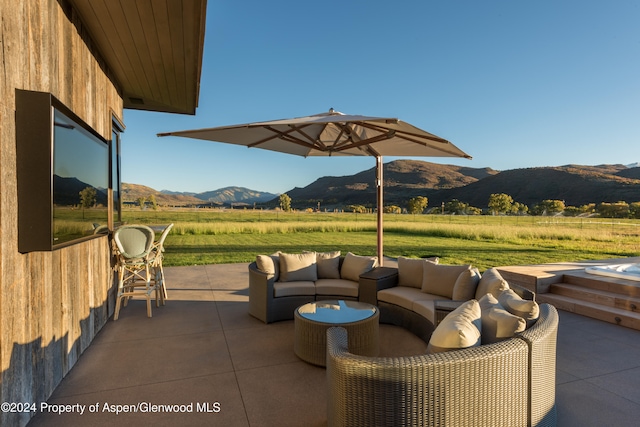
(380,208)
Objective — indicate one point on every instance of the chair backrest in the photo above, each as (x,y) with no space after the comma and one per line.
(101,229)
(163,236)
(134,241)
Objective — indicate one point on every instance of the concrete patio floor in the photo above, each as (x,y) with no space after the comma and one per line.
(203,350)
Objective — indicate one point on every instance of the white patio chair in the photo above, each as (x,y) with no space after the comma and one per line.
(156,256)
(100,228)
(134,266)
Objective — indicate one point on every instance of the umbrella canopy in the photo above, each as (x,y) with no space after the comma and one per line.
(335,134)
(332,134)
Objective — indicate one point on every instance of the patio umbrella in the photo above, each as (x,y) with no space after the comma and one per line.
(335,134)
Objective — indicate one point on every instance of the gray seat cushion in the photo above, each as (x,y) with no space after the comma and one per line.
(403,296)
(427,308)
(347,288)
(288,289)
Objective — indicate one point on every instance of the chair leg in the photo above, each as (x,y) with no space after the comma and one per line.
(149,306)
(117,310)
(164,286)
(126,289)
(115,315)
(119,295)
(159,279)
(159,294)
(129,283)
(148,289)
(132,277)
(156,284)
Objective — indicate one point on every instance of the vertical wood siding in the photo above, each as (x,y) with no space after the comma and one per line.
(52,304)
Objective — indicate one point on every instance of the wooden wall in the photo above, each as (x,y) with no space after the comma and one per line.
(51,303)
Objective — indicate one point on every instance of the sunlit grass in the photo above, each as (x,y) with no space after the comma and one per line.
(202,236)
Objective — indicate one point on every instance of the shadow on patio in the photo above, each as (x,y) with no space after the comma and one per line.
(204,352)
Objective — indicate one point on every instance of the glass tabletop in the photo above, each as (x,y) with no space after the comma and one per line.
(337,312)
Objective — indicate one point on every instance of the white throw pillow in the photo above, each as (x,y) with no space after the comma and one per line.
(497,323)
(528,310)
(297,267)
(328,264)
(439,279)
(460,329)
(491,282)
(410,271)
(269,264)
(355,265)
(466,284)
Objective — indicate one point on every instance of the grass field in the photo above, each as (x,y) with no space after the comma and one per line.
(208,236)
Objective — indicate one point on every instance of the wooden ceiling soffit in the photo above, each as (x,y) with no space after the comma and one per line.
(153,49)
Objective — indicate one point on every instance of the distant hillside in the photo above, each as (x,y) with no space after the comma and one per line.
(592,170)
(403,179)
(230,195)
(633,173)
(132,192)
(576,185)
(223,196)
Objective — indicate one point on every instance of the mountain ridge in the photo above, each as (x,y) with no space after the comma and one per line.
(222,196)
(403,179)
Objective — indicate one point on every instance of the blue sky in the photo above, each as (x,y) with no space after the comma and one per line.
(515,84)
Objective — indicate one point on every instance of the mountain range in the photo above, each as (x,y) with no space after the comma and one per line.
(577,185)
(223,196)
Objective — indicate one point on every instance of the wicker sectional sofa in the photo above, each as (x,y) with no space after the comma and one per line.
(280,283)
(507,383)
(409,297)
(503,374)
(490,358)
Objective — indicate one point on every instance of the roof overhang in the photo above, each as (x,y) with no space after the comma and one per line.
(153,49)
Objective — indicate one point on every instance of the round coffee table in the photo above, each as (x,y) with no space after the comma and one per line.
(312,320)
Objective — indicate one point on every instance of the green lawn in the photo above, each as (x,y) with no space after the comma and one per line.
(203,236)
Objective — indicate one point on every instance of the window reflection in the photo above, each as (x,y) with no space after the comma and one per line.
(80,181)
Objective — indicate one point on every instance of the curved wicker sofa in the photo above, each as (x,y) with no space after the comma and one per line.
(423,323)
(509,383)
(265,306)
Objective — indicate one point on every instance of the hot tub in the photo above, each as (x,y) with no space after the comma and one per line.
(620,271)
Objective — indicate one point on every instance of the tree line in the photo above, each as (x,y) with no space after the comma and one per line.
(498,204)
(503,204)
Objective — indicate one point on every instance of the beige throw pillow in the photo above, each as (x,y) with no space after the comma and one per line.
(460,329)
(328,264)
(355,265)
(439,279)
(410,272)
(491,282)
(465,287)
(297,267)
(528,310)
(269,264)
(497,323)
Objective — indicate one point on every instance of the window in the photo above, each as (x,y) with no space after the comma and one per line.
(80,180)
(115,179)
